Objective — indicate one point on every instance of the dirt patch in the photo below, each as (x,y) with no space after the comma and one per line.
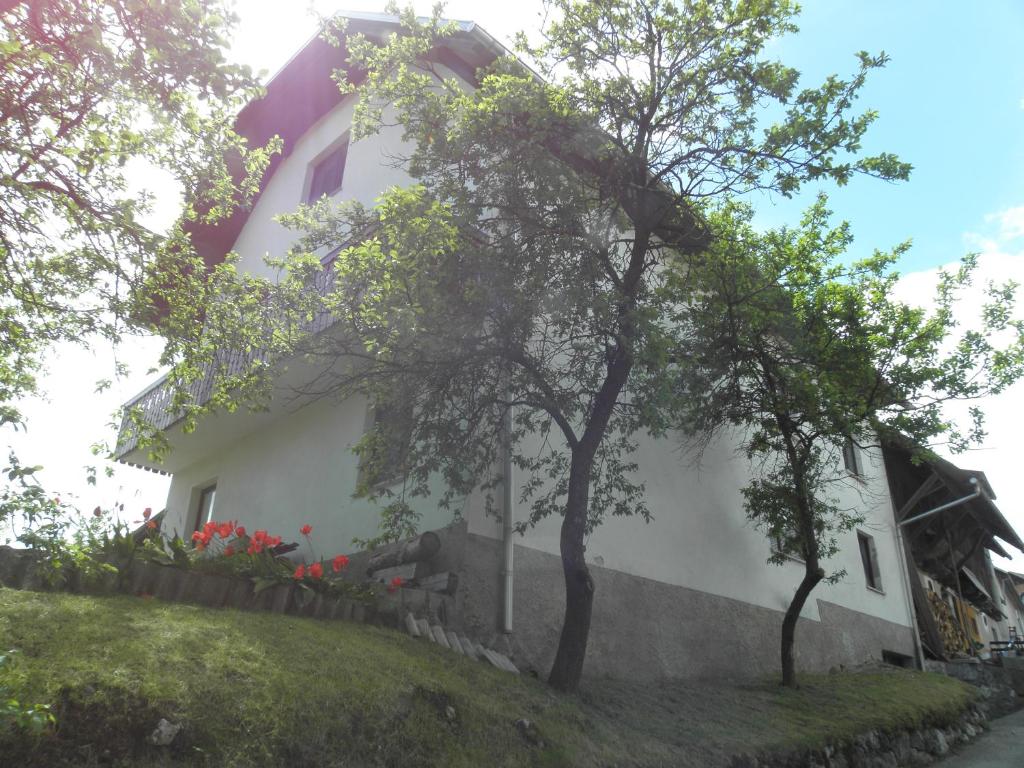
(97,725)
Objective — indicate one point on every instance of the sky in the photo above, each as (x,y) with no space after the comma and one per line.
(950,102)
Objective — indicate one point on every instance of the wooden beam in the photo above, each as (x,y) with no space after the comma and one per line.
(423,547)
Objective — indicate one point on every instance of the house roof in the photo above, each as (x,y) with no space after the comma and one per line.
(303,91)
(956,483)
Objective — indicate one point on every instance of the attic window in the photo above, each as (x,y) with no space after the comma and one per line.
(327,173)
(851,458)
(869,557)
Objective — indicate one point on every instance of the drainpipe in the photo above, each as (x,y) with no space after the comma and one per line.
(506,525)
(908,591)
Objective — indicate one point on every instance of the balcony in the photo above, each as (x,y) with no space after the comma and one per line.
(155,403)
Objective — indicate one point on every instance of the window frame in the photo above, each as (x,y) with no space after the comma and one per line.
(778,546)
(208,490)
(311,193)
(852,459)
(403,428)
(869,560)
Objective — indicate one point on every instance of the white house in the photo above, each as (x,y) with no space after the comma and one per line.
(689,594)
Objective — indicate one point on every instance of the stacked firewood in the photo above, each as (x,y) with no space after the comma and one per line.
(949,626)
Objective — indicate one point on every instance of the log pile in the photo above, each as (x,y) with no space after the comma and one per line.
(949,626)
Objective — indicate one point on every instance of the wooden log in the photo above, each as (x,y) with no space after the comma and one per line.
(282,598)
(343,609)
(241,596)
(423,547)
(445,583)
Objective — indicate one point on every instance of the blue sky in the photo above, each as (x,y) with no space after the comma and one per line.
(950,102)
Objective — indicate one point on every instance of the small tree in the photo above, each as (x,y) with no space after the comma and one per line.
(800,352)
(522,273)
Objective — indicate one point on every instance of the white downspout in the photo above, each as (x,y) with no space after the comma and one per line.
(507,513)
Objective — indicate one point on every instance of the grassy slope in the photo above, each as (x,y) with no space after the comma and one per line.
(260,689)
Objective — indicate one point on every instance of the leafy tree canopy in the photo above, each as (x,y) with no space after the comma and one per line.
(86,88)
(798,349)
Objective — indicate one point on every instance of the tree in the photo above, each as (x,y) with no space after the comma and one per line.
(800,350)
(91,93)
(516,292)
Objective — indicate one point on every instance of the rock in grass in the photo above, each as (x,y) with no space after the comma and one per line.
(165,733)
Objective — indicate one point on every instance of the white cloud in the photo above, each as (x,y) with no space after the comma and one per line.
(1010,222)
(1001,258)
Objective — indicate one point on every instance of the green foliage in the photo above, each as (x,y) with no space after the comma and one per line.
(521,271)
(398,521)
(801,349)
(90,92)
(32,719)
(75,550)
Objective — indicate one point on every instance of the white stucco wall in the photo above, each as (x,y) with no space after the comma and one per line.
(368,173)
(700,537)
(300,469)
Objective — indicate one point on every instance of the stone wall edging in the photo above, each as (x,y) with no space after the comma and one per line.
(880,749)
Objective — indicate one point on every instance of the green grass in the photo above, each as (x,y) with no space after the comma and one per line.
(256,689)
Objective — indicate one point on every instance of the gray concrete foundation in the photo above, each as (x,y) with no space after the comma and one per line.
(646,629)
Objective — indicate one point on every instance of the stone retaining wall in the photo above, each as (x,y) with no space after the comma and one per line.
(877,749)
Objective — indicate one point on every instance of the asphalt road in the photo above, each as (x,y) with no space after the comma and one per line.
(1002,747)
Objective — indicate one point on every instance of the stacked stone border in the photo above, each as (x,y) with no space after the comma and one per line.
(878,749)
(433,611)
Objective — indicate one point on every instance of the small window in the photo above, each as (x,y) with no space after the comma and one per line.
(204,509)
(869,557)
(383,462)
(787,544)
(851,458)
(328,172)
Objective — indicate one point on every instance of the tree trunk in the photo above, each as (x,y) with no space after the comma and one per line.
(567,669)
(810,580)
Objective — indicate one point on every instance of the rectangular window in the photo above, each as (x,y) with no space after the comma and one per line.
(787,544)
(869,557)
(328,172)
(384,461)
(204,509)
(851,458)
